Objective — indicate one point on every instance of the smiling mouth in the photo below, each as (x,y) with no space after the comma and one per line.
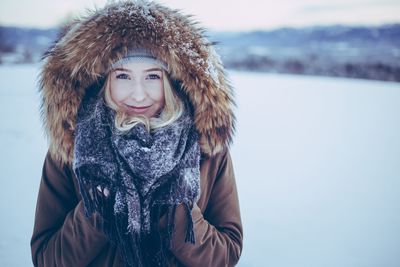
(137,109)
(144,107)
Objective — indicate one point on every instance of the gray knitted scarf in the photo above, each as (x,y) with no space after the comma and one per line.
(146,174)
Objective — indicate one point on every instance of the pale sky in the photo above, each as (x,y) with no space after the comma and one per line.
(221,14)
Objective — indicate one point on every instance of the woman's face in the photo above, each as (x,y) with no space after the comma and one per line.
(138,89)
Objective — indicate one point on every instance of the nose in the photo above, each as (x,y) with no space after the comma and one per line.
(138,92)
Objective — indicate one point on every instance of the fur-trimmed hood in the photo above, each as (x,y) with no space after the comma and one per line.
(88,46)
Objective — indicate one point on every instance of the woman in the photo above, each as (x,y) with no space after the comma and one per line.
(139,117)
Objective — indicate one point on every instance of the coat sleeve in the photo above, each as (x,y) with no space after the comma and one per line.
(63,235)
(218,231)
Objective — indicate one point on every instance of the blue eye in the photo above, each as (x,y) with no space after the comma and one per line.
(154,77)
(123,76)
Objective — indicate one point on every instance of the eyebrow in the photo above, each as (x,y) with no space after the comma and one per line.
(147,70)
(154,69)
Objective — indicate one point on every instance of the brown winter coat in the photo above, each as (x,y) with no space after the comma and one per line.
(62,235)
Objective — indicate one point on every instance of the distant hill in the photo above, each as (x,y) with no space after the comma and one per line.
(24,45)
(358,52)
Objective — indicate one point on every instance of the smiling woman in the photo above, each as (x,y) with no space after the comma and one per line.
(139,161)
(141,92)
(137,89)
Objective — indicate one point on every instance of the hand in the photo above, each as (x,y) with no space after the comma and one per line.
(103,191)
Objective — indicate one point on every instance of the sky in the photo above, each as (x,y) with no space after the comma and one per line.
(222,15)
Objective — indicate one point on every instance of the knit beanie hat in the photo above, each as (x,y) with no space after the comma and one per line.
(139,55)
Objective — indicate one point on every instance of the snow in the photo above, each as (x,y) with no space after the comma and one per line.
(23,149)
(317,163)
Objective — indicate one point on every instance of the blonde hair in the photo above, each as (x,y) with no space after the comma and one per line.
(172,110)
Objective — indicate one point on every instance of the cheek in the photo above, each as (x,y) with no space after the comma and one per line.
(157,94)
(117,93)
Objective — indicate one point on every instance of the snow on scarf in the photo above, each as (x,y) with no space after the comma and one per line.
(144,173)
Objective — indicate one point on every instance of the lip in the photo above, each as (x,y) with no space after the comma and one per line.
(137,109)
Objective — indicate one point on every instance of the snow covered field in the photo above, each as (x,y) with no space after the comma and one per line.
(317,163)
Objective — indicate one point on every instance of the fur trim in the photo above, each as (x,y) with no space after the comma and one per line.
(90,44)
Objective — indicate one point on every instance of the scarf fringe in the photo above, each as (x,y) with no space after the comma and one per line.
(131,251)
(170,223)
(190,237)
(113,226)
(88,195)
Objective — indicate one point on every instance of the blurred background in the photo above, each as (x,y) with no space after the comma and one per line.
(317,146)
(358,38)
